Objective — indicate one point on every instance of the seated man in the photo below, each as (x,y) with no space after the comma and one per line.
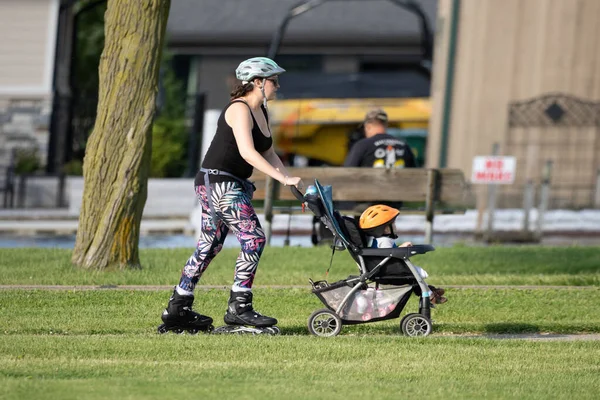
(379,149)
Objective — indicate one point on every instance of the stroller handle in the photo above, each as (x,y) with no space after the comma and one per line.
(297,194)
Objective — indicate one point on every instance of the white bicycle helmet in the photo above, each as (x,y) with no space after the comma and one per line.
(257,67)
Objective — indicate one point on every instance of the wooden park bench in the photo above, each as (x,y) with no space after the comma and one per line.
(435,189)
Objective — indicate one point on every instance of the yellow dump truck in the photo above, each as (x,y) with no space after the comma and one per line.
(320,129)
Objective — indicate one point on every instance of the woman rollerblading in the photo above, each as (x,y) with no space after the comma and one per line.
(242,142)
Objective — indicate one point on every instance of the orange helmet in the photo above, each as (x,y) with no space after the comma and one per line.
(377,216)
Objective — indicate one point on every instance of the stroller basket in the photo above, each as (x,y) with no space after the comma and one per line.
(365,304)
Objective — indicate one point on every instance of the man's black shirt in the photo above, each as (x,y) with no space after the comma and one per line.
(380,151)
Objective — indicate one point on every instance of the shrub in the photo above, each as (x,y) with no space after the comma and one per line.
(168,148)
(169,132)
(73,168)
(27,161)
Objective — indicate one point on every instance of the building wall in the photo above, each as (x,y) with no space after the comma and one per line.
(215,75)
(510,51)
(340,64)
(28,31)
(216,78)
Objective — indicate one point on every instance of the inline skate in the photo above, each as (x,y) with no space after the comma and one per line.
(179,317)
(242,318)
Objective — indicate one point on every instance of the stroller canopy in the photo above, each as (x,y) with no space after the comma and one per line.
(326,196)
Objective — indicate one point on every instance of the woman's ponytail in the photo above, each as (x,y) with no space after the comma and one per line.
(241,89)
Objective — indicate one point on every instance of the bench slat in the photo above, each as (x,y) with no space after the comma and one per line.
(374,184)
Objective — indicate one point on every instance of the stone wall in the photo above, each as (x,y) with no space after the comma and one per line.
(24,124)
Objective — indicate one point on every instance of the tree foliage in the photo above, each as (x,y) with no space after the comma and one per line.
(169,134)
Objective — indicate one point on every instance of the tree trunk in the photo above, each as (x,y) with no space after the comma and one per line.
(117,156)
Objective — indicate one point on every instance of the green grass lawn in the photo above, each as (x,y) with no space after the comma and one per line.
(127,312)
(525,265)
(101,344)
(148,366)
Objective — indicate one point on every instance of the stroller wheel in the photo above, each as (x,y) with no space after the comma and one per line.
(415,324)
(404,320)
(324,323)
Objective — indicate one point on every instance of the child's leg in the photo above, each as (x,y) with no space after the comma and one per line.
(421,272)
(437,295)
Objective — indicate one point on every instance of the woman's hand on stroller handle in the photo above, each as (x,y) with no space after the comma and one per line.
(295,181)
(297,193)
(291,181)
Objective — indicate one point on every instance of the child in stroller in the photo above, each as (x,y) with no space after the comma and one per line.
(386,281)
(378,223)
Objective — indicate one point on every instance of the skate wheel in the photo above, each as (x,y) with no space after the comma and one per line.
(162,329)
(193,331)
(324,323)
(218,330)
(273,330)
(178,331)
(416,325)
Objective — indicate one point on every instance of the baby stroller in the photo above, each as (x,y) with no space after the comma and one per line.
(386,281)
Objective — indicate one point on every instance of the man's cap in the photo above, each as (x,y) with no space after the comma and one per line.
(376,115)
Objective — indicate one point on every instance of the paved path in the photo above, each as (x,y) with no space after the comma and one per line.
(34,227)
(226,287)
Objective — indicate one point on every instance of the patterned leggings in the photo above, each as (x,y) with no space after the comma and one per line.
(234,211)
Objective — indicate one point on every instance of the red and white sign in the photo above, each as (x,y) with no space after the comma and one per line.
(494,169)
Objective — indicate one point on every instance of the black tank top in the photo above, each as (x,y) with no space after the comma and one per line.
(223,153)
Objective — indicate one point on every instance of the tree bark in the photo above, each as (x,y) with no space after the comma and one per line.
(117,158)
